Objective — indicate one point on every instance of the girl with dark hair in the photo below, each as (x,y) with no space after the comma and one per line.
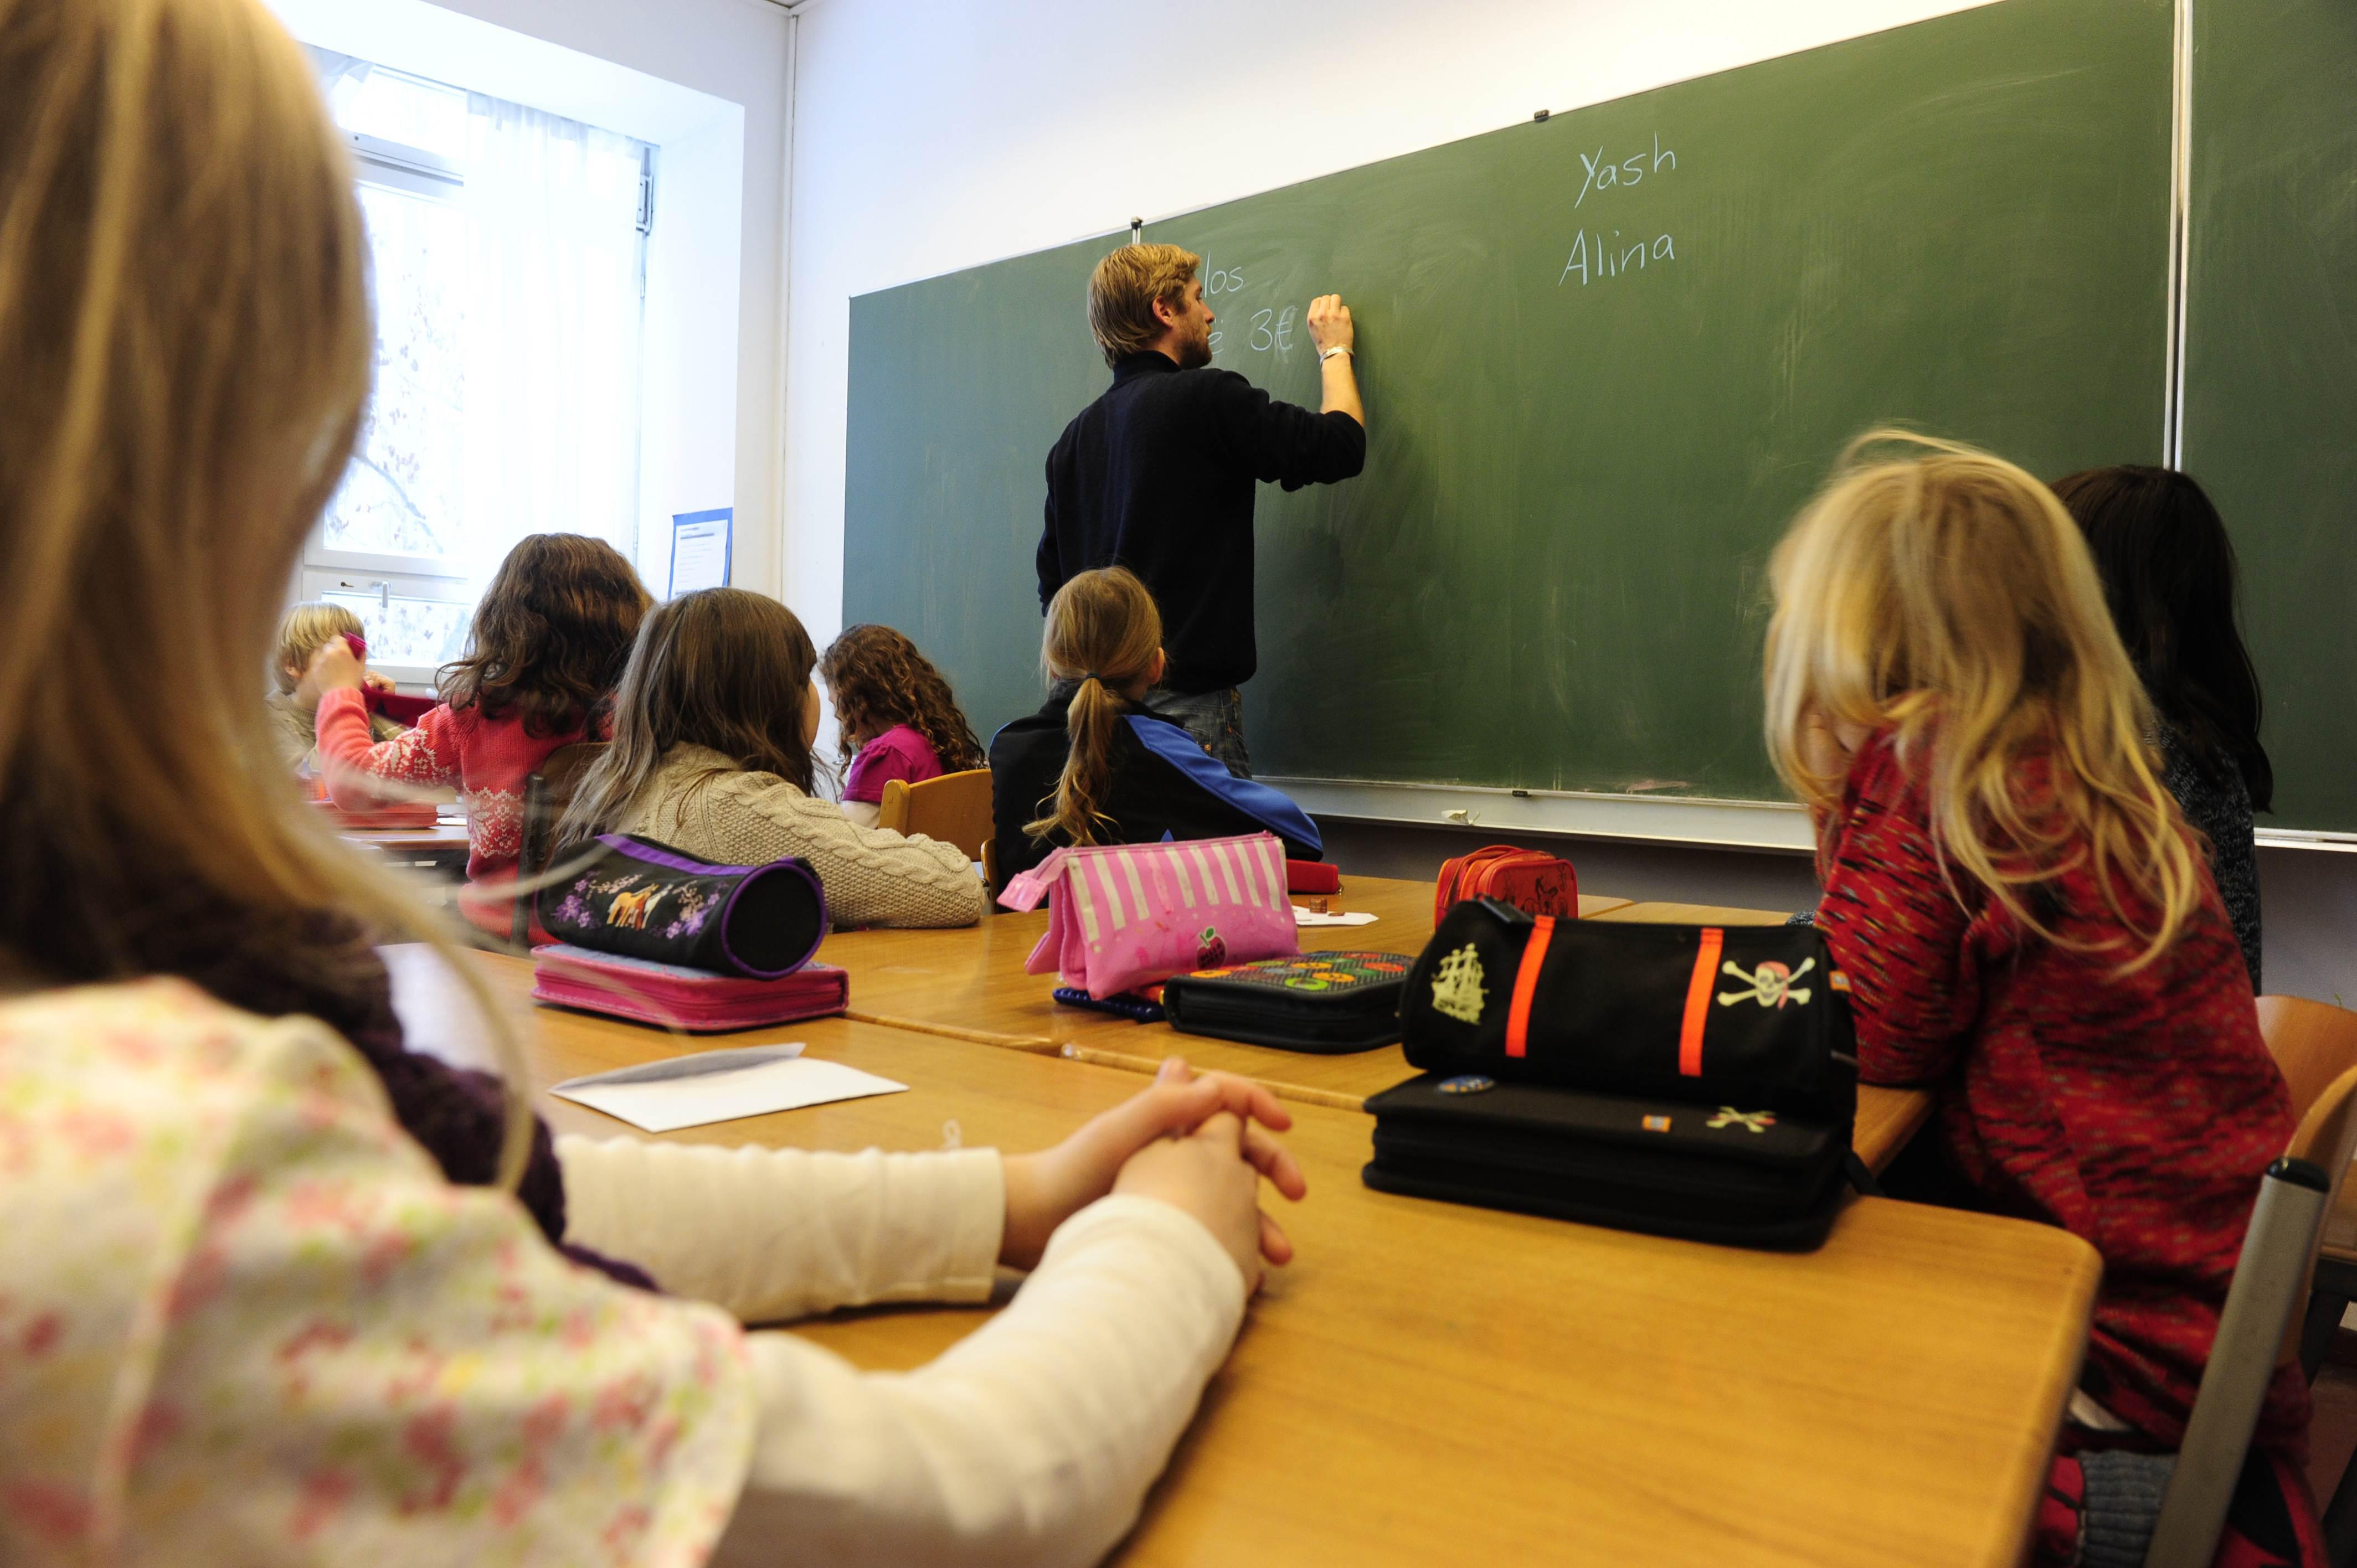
(712,727)
(895,714)
(1096,764)
(2168,576)
(547,646)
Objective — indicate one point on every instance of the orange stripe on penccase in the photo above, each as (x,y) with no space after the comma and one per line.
(1713,942)
(1526,983)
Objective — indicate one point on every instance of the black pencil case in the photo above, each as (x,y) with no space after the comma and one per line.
(1723,1174)
(636,897)
(1327,1002)
(1706,1015)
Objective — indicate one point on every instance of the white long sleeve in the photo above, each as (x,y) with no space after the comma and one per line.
(1030,1442)
(772,1234)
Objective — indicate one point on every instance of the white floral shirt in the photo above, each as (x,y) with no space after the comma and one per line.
(243,1319)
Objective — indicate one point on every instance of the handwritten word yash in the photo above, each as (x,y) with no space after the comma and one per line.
(1603,175)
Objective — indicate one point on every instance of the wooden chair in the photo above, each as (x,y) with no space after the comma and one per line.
(547,794)
(954,807)
(2312,1043)
(2262,1326)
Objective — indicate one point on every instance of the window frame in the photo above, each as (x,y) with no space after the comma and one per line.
(317,582)
(407,171)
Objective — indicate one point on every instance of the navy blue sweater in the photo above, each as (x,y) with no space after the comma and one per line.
(1158,476)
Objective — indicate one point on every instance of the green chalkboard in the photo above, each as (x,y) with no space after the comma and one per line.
(1594,401)
(2271,367)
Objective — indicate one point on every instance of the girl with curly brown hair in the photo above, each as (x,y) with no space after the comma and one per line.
(549,642)
(896,715)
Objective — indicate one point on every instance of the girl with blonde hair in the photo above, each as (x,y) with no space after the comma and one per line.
(1097,764)
(248,1317)
(2023,918)
(292,701)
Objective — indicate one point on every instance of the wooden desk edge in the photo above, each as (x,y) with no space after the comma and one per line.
(2065,1353)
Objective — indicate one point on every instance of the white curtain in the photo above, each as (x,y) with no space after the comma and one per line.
(552,329)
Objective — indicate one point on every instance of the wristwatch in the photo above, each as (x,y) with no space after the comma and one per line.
(1326,354)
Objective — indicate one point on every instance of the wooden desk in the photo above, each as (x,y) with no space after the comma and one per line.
(440,850)
(440,836)
(1696,915)
(1431,1383)
(1887,1118)
(973,980)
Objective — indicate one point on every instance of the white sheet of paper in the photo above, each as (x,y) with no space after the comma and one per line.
(1302,917)
(721,1086)
(700,557)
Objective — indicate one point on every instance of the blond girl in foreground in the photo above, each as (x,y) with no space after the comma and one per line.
(247,1318)
(2022,917)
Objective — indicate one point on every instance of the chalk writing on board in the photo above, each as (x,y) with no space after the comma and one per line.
(1273,329)
(1601,174)
(1595,259)
(1222,280)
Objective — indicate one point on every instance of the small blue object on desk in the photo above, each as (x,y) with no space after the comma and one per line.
(1136,1009)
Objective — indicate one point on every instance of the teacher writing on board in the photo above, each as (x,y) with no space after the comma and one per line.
(1158,476)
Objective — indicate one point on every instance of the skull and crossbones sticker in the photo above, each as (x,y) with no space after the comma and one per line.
(1772,983)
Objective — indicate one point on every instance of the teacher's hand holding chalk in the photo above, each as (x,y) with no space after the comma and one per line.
(1330,329)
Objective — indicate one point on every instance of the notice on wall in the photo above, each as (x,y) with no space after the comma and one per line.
(699,545)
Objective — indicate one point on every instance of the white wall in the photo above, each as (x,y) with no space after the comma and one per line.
(715,266)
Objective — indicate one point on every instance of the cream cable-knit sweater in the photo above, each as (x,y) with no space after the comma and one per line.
(873,876)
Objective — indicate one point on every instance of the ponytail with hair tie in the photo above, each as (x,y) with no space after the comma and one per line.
(1098,621)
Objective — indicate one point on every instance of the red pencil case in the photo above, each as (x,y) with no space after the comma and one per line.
(1311,876)
(677,997)
(401,710)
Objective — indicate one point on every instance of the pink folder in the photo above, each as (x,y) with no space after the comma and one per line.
(677,997)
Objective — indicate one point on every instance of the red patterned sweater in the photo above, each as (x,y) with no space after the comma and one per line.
(2135,1112)
(488,759)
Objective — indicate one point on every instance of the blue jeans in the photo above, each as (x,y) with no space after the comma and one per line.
(1214,718)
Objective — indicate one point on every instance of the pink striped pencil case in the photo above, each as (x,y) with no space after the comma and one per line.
(678,997)
(1127,915)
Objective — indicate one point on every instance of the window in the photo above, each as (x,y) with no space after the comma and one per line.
(508,250)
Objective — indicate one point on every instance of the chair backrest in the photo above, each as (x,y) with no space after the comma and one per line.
(2326,1138)
(546,795)
(954,807)
(2312,1042)
(2260,1328)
